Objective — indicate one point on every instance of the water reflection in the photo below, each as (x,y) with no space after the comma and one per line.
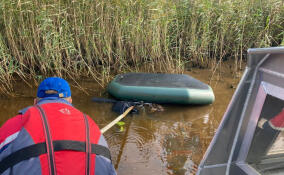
(168,142)
(166,138)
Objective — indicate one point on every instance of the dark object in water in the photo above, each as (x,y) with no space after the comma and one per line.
(154,107)
(121,106)
(103,100)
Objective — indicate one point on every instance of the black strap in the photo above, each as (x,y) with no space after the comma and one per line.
(49,146)
(88,145)
(40,148)
(22,154)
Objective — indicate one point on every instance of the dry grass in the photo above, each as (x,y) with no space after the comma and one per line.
(99,38)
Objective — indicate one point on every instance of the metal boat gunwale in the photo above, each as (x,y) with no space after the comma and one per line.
(236,129)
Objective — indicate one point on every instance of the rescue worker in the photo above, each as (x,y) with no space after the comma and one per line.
(53,138)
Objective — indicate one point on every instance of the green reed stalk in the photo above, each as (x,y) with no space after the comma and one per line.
(75,38)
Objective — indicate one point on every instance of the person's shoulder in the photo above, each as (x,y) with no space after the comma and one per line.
(14,124)
(24,110)
(10,129)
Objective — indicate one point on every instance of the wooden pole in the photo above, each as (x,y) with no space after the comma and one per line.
(107,127)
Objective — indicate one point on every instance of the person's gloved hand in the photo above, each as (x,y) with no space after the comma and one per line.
(277,122)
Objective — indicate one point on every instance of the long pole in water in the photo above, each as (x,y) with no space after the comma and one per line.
(107,127)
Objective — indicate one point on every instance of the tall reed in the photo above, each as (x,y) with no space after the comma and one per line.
(97,38)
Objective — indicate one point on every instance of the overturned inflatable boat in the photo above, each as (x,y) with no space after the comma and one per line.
(161,88)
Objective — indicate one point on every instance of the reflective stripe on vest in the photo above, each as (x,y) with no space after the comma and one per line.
(40,148)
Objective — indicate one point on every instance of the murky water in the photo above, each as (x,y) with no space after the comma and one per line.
(169,142)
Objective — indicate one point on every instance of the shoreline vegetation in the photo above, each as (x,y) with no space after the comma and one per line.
(100,38)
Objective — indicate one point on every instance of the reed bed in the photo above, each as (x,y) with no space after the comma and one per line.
(99,38)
